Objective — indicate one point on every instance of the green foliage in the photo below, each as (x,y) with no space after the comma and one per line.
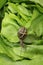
(21,13)
(2,3)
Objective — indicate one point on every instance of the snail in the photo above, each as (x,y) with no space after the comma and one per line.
(22,32)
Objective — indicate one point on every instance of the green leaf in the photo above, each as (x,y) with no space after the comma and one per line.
(7,50)
(17,1)
(29,52)
(34,15)
(38,59)
(40,9)
(9,29)
(38,1)
(2,2)
(21,11)
(5,60)
(37,25)
(13,16)
(24,10)
(33,39)
(32,19)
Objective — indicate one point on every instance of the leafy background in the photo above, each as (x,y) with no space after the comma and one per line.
(10,51)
